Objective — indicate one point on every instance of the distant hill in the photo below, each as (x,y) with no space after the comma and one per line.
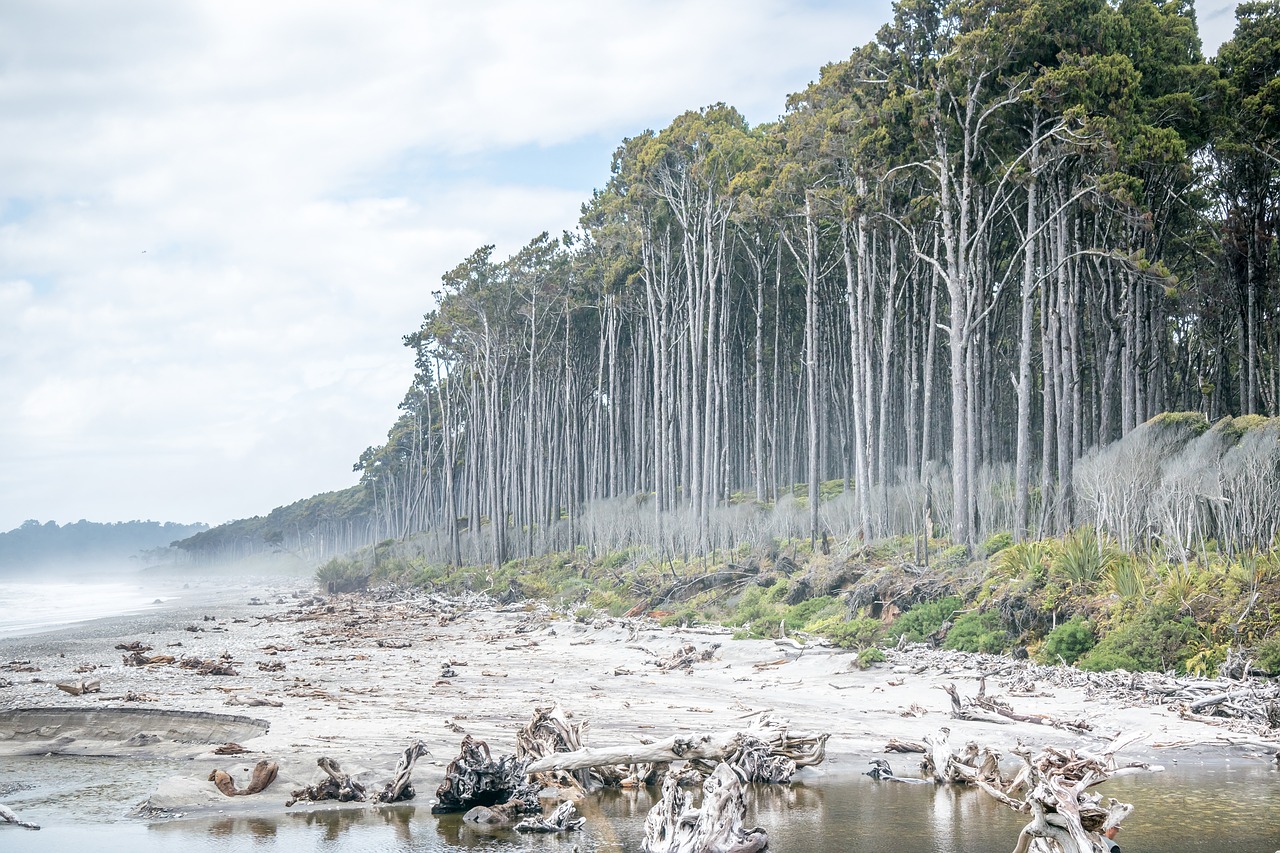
(312,529)
(90,544)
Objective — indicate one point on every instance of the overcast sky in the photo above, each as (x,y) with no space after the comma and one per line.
(217,219)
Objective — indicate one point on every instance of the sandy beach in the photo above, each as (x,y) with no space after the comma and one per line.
(357,678)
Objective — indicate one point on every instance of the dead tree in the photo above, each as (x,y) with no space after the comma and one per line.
(264,773)
(399,788)
(674,826)
(475,779)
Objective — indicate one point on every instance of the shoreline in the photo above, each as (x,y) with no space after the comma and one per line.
(359,677)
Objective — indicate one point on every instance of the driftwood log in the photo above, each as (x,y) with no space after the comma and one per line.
(563,819)
(674,826)
(8,817)
(83,685)
(336,786)
(264,773)
(803,749)
(549,733)
(475,779)
(400,787)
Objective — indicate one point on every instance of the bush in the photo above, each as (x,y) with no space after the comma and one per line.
(869,656)
(1067,642)
(997,542)
(849,633)
(1155,640)
(921,621)
(339,575)
(978,632)
(1268,656)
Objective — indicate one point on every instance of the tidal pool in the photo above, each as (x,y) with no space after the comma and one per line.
(1189,808)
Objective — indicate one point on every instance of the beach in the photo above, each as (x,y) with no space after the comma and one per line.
(357,678)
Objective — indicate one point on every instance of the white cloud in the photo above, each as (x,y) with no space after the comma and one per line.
(209,250)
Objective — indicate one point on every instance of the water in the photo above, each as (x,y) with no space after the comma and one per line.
(1187,809)
(28,607)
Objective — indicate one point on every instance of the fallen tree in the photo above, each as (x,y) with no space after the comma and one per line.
(802,749)
(563,819)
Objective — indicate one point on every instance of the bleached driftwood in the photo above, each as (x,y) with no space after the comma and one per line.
(674,826)
(400,787)
(881,771)
(803,748)
(563,819)
(550,733)
(475,779)
(337,786)
(83,685)
(8,817)
(264,773)
(1053,788)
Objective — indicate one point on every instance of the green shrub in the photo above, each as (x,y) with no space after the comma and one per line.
(801,616)
(339,575)
(1154,640)
(924,619)
(1085,558)
(1268,656)
(978,632)
(1067,642)
(849,633)
(997,542)
(869,656)
(1027,561)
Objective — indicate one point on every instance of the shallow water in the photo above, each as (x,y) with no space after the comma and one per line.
(1183,809)
(28,607)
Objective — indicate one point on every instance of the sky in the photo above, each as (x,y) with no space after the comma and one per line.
(218,219)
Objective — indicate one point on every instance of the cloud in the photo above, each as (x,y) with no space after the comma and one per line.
(219,218)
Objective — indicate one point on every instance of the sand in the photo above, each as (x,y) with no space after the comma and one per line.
(359,677)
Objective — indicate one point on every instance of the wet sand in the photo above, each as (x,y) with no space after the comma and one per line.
(360,677)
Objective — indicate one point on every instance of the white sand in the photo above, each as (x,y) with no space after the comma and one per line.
(346,697)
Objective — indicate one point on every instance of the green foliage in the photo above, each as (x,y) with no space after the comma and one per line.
(924,619)
(978,632)
(1267,656)
(858,633)
(997,542)
(1028,561)
(1084,559)
(870,656)
(1067,642)
(343,575)
(1154,639)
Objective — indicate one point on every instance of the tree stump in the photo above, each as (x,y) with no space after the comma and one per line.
(338,786)
(399,788)
(674,826)
(475,779)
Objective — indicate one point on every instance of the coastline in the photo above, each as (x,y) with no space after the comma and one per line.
(359,677)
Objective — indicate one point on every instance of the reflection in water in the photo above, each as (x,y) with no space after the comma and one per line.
(1185,810)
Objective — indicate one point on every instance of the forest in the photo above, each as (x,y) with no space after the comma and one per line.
(1005,274)
(89,544)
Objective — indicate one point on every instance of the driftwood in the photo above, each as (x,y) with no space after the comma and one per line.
(139,659)
(399,788)
(7,817)
(881,771)
(84,685)
(969,766)
(987,709)
(549,733)
(563,819)
(685,657)
(264,773)
(803,748)
(674,826)
(337,786)
(135,646)
(208,667)
(475,779)
(895,745)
